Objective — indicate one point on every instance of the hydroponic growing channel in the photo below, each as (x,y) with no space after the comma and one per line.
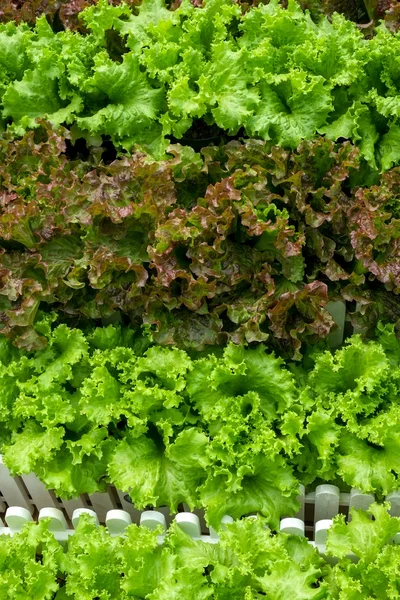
(199,300)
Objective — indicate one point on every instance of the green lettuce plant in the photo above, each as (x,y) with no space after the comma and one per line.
(270,70)
(234,432)
(248,561)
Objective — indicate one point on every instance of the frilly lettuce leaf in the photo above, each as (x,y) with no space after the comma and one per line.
(248,559)
(323,435)
(235,374)
(94,561)
(21,573)
(354,425)
(133,103)
(31,447)
(367,466)
(386,336)
(290,109)
(348,382)
(246,395)
(265,485)
(288,578)
(363,536)
(378,578)
(100,400)
(152,16)
(80,467)
(368,535)
(14,42)
(158,475)
(226,85)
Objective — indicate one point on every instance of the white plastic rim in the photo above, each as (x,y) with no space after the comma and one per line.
(153,519)
(292,526)
(301,498)
(57,519)
(76,515)
(117,521)
(394,499)
(17,516)
(359,500)
(189,523)
(327,499)
(327,488)
(321,530)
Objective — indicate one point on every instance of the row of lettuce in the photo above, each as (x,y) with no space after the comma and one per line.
(249,561)
(233,431)
(63,14)
(239,242)
(143,75)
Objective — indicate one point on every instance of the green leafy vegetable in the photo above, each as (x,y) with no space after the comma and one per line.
(375,574)
(233,431)
(144,74)
(247,561)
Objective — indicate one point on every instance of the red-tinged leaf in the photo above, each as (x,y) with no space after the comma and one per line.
(299,316)
(243,243)
(375,225)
